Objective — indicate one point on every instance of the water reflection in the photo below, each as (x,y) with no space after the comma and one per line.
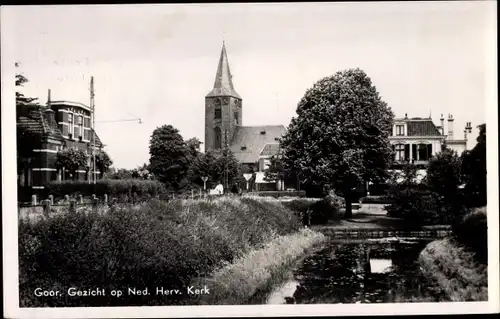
(367,272)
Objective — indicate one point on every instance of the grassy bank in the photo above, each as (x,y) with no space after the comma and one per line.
(158,244)
(453,273)
(250,278)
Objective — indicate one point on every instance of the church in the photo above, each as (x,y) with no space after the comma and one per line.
(251,145)
(414,140)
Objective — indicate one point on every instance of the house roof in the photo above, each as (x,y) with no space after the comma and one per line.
(249,142)
(38,121)
(420,126)
(223,85)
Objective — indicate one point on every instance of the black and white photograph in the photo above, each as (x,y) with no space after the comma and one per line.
(279,158)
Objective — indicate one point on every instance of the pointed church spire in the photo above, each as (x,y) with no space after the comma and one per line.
(223,85)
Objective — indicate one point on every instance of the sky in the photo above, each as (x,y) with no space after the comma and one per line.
(157,62)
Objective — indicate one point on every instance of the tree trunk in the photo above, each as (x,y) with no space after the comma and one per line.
(348,205)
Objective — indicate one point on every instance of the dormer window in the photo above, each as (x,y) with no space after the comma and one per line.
(400,130)
(277,139)
(262,132)
(243,148)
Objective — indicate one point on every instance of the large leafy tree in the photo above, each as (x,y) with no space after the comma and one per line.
(212,164)
(169,157)
(474,171)
(340,136)
(72,159)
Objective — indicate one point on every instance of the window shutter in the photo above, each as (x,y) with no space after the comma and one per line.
(429,151)
(407,152)
(414,151)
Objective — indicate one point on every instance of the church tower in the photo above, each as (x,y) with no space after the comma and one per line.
(223,107)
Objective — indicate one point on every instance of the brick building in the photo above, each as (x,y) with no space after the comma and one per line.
(53,127)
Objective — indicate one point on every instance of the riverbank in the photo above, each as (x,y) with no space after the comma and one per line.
(452,272)
(250,278)
(158,244)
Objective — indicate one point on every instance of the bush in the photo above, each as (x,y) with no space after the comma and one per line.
(159,244)
(416,208)
(376,200)
(119,188)
(472,232)
(319,211)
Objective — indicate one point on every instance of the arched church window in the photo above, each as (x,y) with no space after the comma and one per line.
(217,138)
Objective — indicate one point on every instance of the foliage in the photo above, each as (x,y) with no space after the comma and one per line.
(474,171)
(72,159)
(472,232)
(276,170)
(159,244)
(410,200)
(169,157)
(341,134)
(103,162)
(23,103)
(121,189)
(316,211)
(193,146)
(212,165)
(277,194)
(443,180)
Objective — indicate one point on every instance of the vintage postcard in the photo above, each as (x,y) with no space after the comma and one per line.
(255,159)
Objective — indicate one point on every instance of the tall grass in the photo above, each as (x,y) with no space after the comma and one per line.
(254,274)
(453,271)
(158,244)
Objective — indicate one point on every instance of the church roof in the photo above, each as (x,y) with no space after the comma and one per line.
(223,85)
(251,142)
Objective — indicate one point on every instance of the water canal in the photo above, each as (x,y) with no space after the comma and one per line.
(377,270)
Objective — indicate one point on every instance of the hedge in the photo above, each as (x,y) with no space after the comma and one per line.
(316,211)
(118,188)
(277,194)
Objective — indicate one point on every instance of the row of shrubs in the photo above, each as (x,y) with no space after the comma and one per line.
(158,244)
(117,188)
(277,194)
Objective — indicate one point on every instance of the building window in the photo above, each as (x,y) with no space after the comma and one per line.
(217,138)
(400,130)
(400,152)
(71,125)
(235,114)
(217,113)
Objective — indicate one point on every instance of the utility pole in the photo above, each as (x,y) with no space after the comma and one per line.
(92,107)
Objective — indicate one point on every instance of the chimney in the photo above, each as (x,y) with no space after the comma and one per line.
(442,124)
(450,126)
(49,112)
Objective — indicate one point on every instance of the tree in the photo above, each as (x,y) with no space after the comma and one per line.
(193,146)
(23,103)
(341,134)
(103,162)
(212,165)
(71,159)
(474,171)
(27,141)
(443,180)
(169,158)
